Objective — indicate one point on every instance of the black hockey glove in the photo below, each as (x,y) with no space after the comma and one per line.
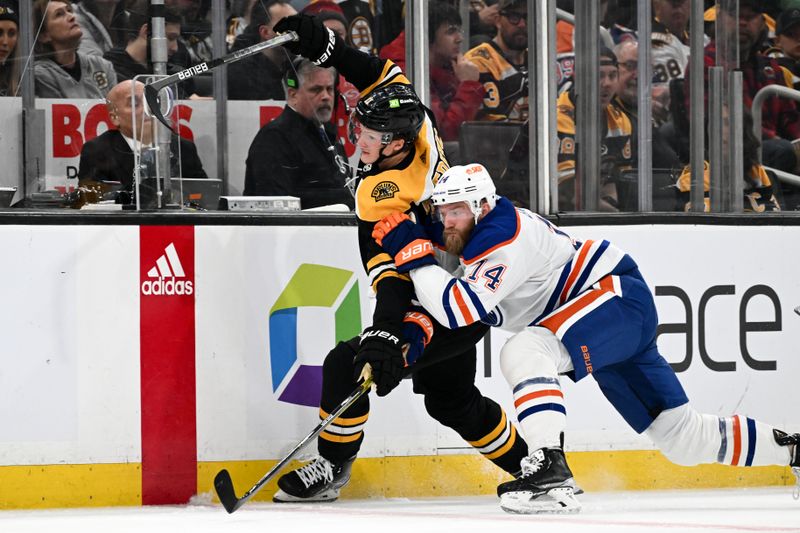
(317,42)
(381,348)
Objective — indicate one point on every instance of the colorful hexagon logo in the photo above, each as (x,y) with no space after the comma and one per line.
(310,286)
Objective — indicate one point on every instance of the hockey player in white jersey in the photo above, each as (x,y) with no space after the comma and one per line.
(576,308)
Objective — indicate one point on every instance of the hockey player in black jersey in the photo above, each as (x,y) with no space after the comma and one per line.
(401,160)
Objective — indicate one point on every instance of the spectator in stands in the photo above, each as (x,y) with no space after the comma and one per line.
(239,19)
(483,17)
(9,51)
(456,92)
(102,23)
(258,77)
(297,154)
(502,63)
(780,116)
(616,144)
(672,17)
(195,30)
(360,20)
(389,22)
(132,59)
(108,159)
(670,39)
(761,187)
(787,41)
(60,70)
(627,100)
(758,23)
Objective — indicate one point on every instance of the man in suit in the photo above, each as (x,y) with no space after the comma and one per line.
(298,154)
(108,159)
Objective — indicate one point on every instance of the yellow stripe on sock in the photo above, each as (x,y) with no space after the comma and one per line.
(505,447)
(340,438)
(491,436)
(344,422)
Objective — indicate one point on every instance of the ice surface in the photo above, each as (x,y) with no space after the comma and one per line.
(771,509)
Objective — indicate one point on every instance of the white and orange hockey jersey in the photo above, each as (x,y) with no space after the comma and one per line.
(518,268)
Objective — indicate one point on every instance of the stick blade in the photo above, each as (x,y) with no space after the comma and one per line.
(153,100)
(224,487)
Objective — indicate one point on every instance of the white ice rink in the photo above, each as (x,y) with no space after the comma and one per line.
(771,509)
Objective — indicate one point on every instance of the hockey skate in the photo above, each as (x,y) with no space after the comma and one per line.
(318,481)
(793,441)
(545,486)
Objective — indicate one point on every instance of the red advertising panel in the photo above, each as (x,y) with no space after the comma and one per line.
(167,336)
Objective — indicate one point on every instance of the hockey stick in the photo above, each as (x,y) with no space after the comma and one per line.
(224,484)
(151,90)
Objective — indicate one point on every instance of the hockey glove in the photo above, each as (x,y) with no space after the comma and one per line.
(316,42)
(405,241)
(380,347)
(417,333)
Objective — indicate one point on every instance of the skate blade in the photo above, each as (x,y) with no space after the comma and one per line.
(560,500)
(330,495)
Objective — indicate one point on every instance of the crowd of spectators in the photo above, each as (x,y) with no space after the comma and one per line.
(478,74)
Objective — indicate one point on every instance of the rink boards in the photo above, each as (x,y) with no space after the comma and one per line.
(137,361)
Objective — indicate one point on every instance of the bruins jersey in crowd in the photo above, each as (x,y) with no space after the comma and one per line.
(616,153)
(506,84)
(758,192)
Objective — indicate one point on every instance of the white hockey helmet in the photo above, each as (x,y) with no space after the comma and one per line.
(465,183)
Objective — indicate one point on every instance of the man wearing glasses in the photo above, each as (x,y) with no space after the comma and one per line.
(502,63)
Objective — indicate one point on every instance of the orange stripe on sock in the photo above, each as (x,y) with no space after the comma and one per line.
(462,305)
(538,394)
(737,441)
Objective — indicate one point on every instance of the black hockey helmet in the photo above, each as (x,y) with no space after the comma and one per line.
(393,109)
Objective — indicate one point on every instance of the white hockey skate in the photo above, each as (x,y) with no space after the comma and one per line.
(546,486)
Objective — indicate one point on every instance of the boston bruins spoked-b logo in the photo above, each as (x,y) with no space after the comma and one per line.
(384,190)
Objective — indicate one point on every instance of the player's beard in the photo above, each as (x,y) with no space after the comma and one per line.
(455,239)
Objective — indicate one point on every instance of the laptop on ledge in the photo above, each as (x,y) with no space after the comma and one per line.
(202,192)
(197,192)
(6,195)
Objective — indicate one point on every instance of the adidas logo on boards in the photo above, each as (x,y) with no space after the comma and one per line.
(165,283)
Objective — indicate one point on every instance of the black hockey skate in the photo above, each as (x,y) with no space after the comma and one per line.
(546,485)
(793,441)
(318,481)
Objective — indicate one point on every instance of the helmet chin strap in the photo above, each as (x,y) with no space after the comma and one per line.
(383,157)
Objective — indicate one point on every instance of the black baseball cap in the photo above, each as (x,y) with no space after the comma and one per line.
(8,11)
(507,4)
(788,19)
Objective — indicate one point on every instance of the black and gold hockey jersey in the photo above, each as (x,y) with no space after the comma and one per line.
(506,84)
(405,187)
(759,196)
(616,139)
